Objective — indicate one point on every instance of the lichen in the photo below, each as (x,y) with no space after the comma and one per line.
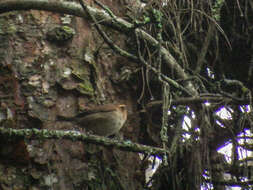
(66,19)
(89,58)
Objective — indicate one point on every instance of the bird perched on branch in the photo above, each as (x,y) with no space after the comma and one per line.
(103,120)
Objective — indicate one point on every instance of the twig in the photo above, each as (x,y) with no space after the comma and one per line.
(105,8)
(105,37)
(164,77)
(203,51)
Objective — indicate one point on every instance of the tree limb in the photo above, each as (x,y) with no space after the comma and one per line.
(78,136)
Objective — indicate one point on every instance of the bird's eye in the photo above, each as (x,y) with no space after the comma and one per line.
(122,107)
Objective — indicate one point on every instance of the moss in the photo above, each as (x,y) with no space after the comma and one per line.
(216,9)
(68,30)
(82,73)
(245,90)
(3,24)
(86,88)
(11,29)
(60,34)
(6,24)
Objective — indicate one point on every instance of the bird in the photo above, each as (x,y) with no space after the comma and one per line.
(104,120)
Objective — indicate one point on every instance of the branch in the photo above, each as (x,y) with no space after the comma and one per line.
(103,18)
(231,183)
(204,49)
(199,100)
(105,37)
(77,136)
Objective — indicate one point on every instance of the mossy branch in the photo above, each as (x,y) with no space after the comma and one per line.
(43,134)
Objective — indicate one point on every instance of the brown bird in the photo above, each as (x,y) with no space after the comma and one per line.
(104,120)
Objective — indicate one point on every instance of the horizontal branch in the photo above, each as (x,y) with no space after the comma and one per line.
(65,7)
(231,183)
(44,134)
(199,100)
